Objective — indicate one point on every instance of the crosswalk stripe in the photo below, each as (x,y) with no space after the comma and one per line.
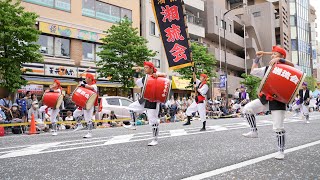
(178,132)
(119,139)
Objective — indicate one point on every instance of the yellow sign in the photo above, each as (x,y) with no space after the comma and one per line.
(70,32)
(178,83)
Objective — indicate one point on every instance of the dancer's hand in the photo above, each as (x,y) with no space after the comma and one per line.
(259,53)
(274,61)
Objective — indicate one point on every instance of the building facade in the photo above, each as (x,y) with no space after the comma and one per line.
(71,32)
(300,34)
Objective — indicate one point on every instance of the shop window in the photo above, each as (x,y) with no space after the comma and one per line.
(256,14)
(64,5)
(87,51)
(98,49)
(62,47)
(104,11)
(46,43)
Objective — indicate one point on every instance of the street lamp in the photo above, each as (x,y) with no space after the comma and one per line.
(224,26)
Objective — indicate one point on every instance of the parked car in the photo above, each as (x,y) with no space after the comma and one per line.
(114,103)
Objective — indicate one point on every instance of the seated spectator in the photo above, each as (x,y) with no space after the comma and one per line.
(16,116)
(6,104)
(105,117)
(168,117)
(68,119)
(180,116)
(37,116)
(3,118)
(113,117)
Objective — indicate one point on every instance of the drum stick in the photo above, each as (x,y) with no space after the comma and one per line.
(85,71)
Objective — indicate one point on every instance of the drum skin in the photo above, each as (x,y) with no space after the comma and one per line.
(156,89)
(281,82)
(52,99)
(84,97)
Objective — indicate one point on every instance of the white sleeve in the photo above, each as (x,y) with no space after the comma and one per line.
(247,97)
(203,90)
(95,88)
(310,93)
(198,82)
(139,82)
(258,72)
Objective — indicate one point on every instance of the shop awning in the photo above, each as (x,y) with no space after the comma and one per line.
(108,84)
(49,80)
(181,84)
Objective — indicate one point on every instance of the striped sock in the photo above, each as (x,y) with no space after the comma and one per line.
(281,140)
(252,121)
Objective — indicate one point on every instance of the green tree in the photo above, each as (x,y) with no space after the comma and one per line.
(17,37)
(252,84)
(312,82)
(123,49)
(204,63)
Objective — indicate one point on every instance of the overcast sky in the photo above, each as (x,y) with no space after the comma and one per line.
(316,5)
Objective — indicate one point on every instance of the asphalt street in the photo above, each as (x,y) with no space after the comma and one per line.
(183,152)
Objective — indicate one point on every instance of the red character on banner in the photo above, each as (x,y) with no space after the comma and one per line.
(173,33)
(170,13)
(178,51)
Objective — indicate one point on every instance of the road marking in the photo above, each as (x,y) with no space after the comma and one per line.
(218,128)
(34,149)
(247,163)
(178,132)
(119,139)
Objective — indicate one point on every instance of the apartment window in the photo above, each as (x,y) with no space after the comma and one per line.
(223,24)
(64,5)
(156,62)
(88,8)
(104,11)
(230,28)
(217,20)
(54,46)
(256,14)
(152,28)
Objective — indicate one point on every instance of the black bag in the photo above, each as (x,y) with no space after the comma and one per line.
(16,130)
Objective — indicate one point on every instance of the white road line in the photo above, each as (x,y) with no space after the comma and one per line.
(119,139)
(246,163)
(178,132)
(34,149)
(218,128)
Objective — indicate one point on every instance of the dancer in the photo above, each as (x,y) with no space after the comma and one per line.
(277,108)
(54,88)
(305,95)
(89,83)
(142,104)
(200,102)
(242,100)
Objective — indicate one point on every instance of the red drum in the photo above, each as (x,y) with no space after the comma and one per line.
(156,89)
(52,99)
(84,97)
(281,82)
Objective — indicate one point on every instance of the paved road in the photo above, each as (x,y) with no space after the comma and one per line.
(182,153)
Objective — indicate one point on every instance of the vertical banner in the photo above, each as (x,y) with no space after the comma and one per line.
(170,18)
(222,81)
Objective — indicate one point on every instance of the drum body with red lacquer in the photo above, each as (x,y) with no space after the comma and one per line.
(281,82)
(84,97)
(52,99)
(156,89)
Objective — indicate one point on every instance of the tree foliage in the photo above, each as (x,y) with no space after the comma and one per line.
(204,63)
(252,84)
(123,49)
(17,37)
(312,82)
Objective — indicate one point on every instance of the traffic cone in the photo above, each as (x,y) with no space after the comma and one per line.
(32,129)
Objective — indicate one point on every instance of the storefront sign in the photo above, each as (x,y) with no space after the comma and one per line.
(33,88)
(33,69)
(70,32)
(63,71)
